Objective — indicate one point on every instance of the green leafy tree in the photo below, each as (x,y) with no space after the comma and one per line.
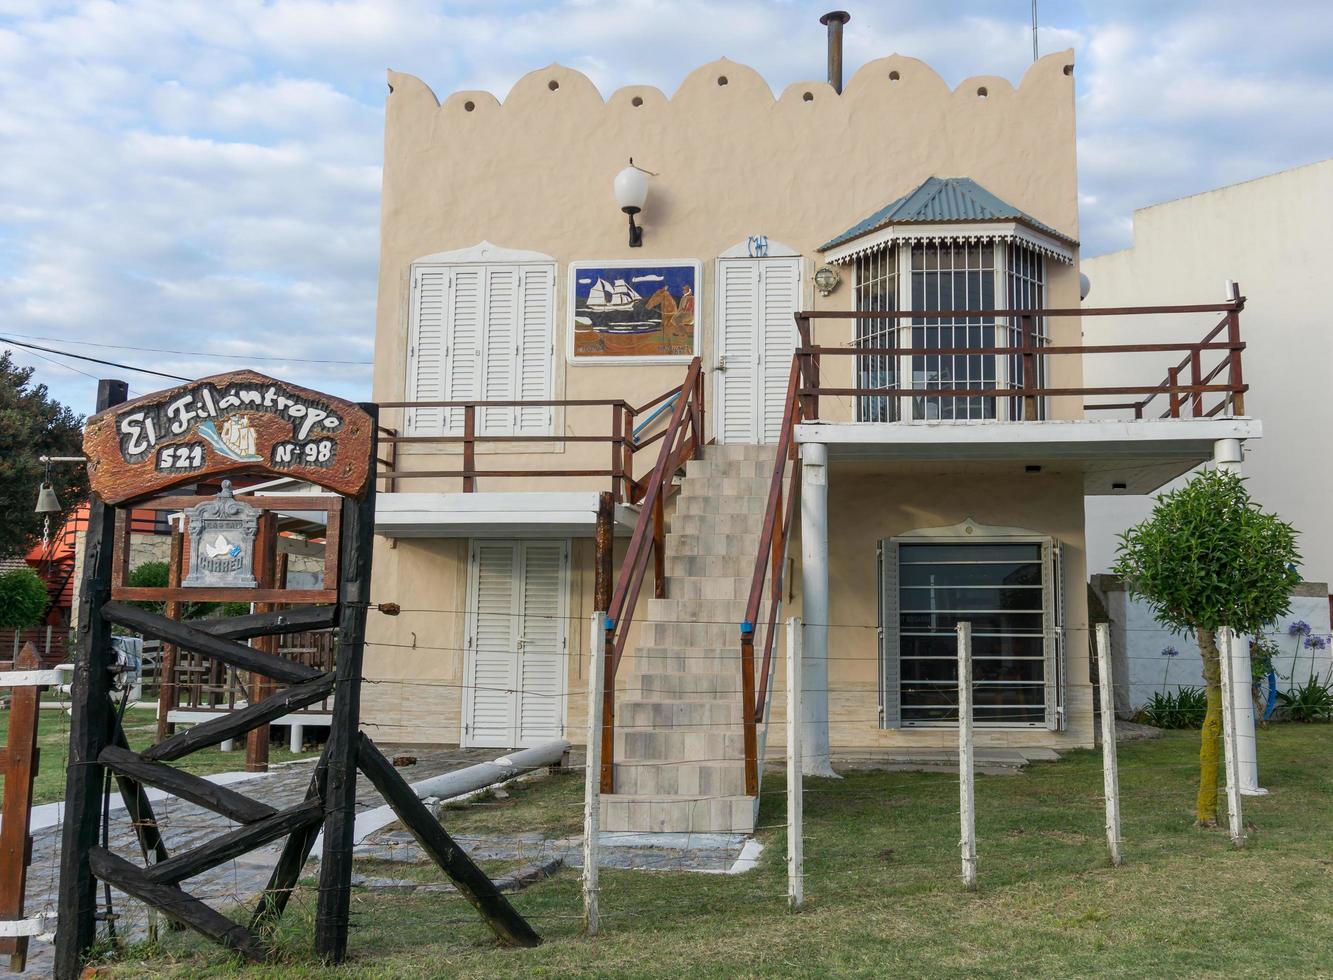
(32,425)
(23,599)
(1208,557)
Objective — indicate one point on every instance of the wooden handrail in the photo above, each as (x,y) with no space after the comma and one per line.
(681,441)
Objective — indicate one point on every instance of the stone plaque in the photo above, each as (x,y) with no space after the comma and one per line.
(222,543)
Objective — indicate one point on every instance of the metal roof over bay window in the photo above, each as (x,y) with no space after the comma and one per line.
(948,208)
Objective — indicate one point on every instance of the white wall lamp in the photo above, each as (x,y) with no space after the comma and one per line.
(631,187)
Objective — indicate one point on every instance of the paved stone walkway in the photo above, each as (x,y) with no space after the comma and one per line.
(185,826)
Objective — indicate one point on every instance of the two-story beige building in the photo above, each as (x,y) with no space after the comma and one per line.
(523,345)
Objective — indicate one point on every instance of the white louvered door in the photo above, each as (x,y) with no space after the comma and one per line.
(492,669)
(462,355)
(430,296)
(482,332)
(757,334)
(738,345)
(517,643)
(541,701)
(779,299)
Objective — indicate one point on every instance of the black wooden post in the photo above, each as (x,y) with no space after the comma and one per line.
(335,870)
(89,727)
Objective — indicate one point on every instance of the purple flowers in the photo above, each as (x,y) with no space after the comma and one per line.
(1299,628)
(1316,642)
(1170,652)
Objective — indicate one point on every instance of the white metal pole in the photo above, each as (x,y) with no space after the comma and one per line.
(966,798)
(815,607)
(1110,768)
(795,817)
(1227,639)
(592,782)
(1227,456)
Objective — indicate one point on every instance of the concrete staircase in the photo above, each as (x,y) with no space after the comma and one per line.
(679,742)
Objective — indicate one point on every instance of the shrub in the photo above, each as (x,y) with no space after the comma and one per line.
(23,599)
(1184,709)
(154,575)
(1312,701)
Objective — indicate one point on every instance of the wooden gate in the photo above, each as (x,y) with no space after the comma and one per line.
(232,425)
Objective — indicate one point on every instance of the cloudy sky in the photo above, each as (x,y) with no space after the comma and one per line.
(193,186)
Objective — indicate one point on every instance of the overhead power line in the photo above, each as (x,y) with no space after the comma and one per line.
(95,360)
(191,353)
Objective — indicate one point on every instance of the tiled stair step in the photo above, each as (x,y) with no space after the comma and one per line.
(643,714)
(661,814)
(677,660)
(731,453)
(694,685)
(687,778)
(728,611)
(733,469)
(709,566)
(732,486)
(657,632)
(679,746)
(715,524)
(678,543)
(703,587)
(721,505)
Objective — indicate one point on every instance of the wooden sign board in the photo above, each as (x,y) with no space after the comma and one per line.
(229,424)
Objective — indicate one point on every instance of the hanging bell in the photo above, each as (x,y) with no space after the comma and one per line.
(47,501)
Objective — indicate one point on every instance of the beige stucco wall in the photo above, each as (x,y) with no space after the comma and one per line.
(1271,236)
(535,173)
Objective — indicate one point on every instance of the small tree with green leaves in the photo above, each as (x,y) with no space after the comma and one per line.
(23,599)
(1208,558)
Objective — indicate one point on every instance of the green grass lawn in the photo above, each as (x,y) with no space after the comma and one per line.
(883,895)
(140,729)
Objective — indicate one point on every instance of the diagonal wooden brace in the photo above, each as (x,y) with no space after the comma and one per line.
(236,843)
(187,786)
(472,882)
(301,619)
(187,637)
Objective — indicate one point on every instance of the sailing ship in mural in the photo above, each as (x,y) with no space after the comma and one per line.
(624,311)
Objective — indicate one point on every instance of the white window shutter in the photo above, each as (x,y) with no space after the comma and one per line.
(779,299)
(889,634)
(499,341)
(493,684)
(462,366)
(426,348)
(542,659)
(535,359)
(738,349)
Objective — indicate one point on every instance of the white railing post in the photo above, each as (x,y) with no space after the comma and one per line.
(795,817)
(592,773)
(1230,756)
(1110,767)
(966,797)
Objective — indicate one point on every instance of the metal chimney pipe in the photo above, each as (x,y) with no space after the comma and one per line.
(834,20)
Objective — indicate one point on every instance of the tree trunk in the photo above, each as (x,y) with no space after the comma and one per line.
(1210,739)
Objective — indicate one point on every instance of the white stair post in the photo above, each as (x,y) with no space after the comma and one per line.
(1110,766)
(592,773)
(795,818)
(966,774)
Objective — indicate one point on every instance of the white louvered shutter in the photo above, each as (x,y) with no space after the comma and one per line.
(426,348)
(779,298)
(542,644)
(493,679)
(462,363)
(499,346)
(738,349)
(535,353)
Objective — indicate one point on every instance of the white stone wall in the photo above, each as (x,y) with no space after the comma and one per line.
(1142,669)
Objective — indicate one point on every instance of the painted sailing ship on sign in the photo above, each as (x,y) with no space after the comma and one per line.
(634,310)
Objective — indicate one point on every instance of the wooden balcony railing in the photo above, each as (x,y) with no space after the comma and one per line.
(1187,389)
(622,433)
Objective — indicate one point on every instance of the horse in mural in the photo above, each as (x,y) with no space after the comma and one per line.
(677,318)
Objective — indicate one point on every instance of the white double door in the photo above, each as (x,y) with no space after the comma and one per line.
(517,643)
(757,300)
